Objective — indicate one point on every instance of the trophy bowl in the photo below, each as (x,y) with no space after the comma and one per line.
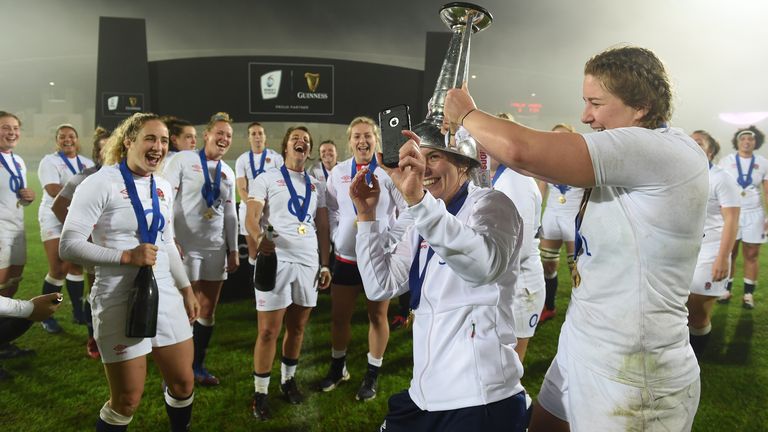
(458,13)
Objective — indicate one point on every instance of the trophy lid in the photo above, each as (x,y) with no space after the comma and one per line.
(456,13)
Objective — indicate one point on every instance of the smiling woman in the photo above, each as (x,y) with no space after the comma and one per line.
(54,171)
(129,232)
(206,226)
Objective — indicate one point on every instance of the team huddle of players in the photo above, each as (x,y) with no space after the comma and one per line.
(149,178)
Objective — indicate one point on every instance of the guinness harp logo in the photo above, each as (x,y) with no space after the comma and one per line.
(313,80)
(133,100)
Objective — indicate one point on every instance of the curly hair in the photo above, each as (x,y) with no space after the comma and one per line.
(637,77)
(759,137)
(284,145)
(114,151)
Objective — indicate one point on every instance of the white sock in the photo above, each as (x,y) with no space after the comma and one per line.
(373,361)
(261,385)
(286,372)
(337,354)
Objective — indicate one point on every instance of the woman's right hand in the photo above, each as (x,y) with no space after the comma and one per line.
(142,255)
(364,197)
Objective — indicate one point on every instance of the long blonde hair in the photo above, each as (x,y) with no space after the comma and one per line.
(369,121)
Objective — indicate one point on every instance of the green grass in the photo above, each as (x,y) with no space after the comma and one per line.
(61,389)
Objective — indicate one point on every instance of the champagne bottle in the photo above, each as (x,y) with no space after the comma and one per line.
(142,306)
(266,267)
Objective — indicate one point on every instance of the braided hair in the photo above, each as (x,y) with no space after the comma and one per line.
(637,77)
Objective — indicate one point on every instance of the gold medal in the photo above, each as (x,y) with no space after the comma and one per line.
(355,222)
(18,204)
(208,213)
(561,199)
(302,229)
(743,193)
(575,277)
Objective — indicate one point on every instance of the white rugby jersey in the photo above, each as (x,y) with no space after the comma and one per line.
(102,209)
(723,192)
(567,208)
(341,213)
(752,198)
(463,335)
(243,164)
(193,230)
(319,173)
(53,170)
(290,245)
(641,235)
(525,195)
(11,215)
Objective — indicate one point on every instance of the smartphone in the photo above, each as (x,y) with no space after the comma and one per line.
(393,121)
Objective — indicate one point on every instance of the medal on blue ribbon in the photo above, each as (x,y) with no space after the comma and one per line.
(416,278)
(211,189)
(263,158)
(16,183)
(300,209)
(147,233)
(563,189)
(325,171)
(744,180)
(80,165)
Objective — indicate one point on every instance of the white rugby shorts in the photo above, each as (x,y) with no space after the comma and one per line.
(294,283)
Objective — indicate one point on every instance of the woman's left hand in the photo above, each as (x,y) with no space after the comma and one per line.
(364,197)
(191,305)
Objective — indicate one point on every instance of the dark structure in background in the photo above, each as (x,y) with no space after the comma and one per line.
(122,72)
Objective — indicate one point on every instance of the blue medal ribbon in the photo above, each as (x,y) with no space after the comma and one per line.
(745,180)
(499,171)
(562,188)
(255,171)
(147,234)
(211,190)
(300,208)
(80,165)
(325,172)
(16,182)
(416,279)
(371,168)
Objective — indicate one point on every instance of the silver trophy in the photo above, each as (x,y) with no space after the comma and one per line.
(454,72)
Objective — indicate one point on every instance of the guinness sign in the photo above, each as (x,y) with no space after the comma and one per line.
(286,88)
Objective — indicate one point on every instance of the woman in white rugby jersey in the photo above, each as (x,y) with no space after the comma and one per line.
(297,212)
(183,136)
(637,238)
(363,135)
(720,229)
(14,196)
(54,171)
(750,172)
(456,242)
(205,223)
(248,166)
(105,208)
(328,160)
(557,228)
(60,208)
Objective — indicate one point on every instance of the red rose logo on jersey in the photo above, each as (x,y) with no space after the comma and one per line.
(124,193)
(160,194)
(708,285)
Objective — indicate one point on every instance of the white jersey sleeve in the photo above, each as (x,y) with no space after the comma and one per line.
(15,308)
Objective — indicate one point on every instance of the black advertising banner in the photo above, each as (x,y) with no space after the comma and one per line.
(291,88)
